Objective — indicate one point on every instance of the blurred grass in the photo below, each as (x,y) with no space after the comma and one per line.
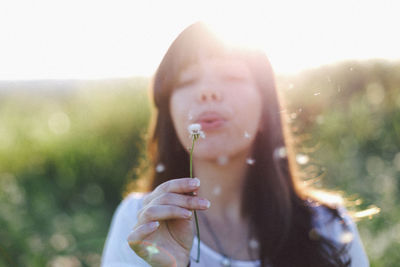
(67,148)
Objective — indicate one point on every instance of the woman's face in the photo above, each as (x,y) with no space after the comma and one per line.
(221,95)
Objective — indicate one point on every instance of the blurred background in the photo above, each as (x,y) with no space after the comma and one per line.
(74,110)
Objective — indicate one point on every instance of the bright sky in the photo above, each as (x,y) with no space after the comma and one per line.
(91,39)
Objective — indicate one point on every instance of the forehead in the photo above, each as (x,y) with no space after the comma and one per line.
(223,64)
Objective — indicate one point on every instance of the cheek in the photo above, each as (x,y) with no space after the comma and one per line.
(249,109)
(180,119)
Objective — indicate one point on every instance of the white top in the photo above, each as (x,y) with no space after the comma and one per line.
(118,253)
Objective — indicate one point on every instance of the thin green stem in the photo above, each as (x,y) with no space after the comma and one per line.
(195,213)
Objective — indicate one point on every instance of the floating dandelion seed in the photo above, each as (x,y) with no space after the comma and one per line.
(317,93)
(160,168)
(246,135)
(253,244)
(300,110)
(190,117)
(302,159)
(346,237)
(250,161)
(222,160)
(281,152)
(217,190)
(293,115)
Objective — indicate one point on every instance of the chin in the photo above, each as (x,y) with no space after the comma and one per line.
(216,153)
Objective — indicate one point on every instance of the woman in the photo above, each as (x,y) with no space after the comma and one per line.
(261,214)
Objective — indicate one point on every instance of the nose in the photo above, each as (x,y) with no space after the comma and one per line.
(209,95)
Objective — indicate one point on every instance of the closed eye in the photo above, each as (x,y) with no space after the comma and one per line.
(185,83)
(234,77)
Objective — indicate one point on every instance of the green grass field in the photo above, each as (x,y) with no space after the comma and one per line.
(68,149)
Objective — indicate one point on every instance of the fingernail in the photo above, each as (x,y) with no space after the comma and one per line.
(195,182)
(187,213)
(154,225)
(204,203)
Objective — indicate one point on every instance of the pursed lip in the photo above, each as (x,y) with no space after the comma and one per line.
(210,120)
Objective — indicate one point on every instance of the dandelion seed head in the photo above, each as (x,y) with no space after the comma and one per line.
(250,161)
(222,160)
(160,168)
(195,131)
(302,159)
(194,128)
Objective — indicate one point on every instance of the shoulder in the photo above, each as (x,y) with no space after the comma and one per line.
(336,224)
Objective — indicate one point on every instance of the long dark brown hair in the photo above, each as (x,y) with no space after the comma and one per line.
(276,202)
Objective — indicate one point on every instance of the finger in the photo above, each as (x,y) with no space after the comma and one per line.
(140,232)
(181,185)
(183,201)
(162,212)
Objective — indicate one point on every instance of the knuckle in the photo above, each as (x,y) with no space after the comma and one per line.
(190,202)
(164,187)
(146,199)
(149,213)
(165,198)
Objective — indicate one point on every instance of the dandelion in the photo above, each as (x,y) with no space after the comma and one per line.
(195,133)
